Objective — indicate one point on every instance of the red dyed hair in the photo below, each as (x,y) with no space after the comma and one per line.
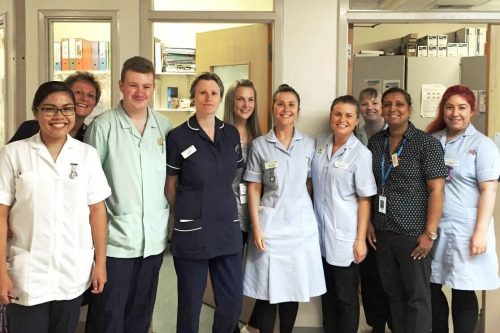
(465,92)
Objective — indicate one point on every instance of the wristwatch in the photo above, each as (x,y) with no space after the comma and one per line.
(432,235)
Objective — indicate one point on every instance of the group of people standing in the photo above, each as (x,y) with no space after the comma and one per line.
(313,215)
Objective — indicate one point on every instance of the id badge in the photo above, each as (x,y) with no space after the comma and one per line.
(395,160)
(243,193)
(450,164)
(382,204)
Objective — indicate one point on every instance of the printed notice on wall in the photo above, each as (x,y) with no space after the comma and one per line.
(374,83)
(391,84)
(481,101)
(431,96)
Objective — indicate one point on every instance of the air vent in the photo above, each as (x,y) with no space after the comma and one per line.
(456,4)
(452,7)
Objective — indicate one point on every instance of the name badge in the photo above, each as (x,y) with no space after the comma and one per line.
(395,160)
(341,165)
(320,150)
(451,162)
(382,204)
(271,165)
(243,193)
(188,152)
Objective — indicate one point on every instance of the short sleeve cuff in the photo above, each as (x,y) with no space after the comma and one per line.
(254,177)
(6,198)
(487,175)
(367,191)
(94,198)
(172,170)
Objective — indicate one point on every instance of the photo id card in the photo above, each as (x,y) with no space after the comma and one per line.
(243,193)
(382,204)
(395,161)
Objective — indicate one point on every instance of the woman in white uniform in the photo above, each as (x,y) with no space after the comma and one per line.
(465,258)
(283,264)
(343,183)
(52,189)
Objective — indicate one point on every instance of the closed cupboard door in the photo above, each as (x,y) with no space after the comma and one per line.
(245,49)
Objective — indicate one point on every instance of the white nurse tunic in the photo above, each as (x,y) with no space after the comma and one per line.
(470,158)
(50,254)
(290,269)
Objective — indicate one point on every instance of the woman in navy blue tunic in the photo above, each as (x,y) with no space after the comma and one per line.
(203,155)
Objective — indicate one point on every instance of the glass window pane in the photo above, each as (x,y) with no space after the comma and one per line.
(174,58)
(210,5)
(84,46)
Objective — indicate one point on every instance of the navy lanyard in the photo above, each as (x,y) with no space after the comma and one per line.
(384,174)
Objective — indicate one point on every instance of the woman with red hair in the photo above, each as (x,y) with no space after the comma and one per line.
(465,258)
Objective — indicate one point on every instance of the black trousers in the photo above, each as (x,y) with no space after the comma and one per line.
(226,277)
(406,282)
(340,303)
(375,302)
(264,316)
(127,303)
(464,310)
(49,317)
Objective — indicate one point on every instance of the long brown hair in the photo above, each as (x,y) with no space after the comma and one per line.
(252,124)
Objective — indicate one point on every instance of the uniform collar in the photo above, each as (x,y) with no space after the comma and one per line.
(127,123)
(36,142)
(271,136)
(441,134)
(193,124)
(410,132)
(350,143)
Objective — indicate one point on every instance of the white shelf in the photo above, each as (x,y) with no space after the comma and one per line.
(176,73)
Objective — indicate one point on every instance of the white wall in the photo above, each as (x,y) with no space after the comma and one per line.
(309,59)
(128,31)
(6,9)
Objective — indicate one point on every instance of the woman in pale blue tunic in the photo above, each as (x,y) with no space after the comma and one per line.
(465,258)
(283,264)
(343,183)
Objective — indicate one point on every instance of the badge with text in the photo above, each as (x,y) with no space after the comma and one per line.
(395,160)
(243,193)
(271,165)
(382,204)
(341,165)
(189,151)
(73,174)
(450,164)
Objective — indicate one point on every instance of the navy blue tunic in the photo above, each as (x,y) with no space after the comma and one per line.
(205,213)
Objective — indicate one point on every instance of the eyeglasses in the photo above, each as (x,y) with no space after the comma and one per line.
(50,111)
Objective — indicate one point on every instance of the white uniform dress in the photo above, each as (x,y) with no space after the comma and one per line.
(51,252)
(290,269)
(472,158)
(338,181)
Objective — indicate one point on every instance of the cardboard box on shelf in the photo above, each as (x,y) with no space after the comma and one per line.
(421,51)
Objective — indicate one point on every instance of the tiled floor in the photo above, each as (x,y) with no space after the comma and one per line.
(164,316)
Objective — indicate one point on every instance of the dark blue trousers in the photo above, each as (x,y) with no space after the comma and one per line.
(406,282)
(127,303)
(49,317)
(375,303)
(340,303)
(226,277)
